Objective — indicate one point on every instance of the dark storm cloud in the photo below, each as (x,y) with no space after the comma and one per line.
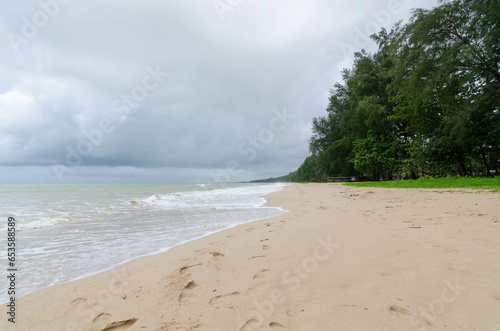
(169,85)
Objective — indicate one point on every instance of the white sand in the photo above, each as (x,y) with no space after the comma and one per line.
(343,258)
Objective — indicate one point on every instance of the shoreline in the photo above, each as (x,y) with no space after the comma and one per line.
(152,250)
(342,257)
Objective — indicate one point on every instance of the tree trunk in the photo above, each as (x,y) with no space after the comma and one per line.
(486,162)
(462,167)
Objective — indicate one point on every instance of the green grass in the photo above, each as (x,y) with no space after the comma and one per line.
(481,183)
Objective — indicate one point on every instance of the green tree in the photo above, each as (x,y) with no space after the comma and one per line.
(427,101)
(375,154)
(447,70)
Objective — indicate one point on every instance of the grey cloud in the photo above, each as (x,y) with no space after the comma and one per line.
(225,80)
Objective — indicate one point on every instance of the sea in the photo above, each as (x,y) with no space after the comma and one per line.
(66,232)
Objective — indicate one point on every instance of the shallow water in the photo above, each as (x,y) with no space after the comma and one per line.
(66,232)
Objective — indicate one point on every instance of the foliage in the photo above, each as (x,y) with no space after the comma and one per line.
(374,154)
(307,172)
(427,102)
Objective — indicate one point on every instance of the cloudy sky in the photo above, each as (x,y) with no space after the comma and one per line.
(172,91)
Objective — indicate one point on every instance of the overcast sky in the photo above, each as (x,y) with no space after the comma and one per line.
(172,91)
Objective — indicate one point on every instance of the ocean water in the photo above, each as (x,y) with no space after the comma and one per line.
(66,232)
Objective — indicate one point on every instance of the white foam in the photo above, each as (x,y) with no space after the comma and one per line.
(220,198)
(41,223)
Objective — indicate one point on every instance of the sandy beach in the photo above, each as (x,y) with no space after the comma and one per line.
(341,258)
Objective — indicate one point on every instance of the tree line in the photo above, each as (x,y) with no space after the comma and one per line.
(426,103)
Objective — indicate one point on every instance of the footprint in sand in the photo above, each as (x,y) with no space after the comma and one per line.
(101,317)
(99,321)
(276,325)
(256,257)
(250,323)
(261,274)
(402,311)
(183,270)
(399,310)
(120,325)
(217,254)
(294,313)
(265,247)
(78,301)
(220,298)
(83,302)
(264,240)
(189,290)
